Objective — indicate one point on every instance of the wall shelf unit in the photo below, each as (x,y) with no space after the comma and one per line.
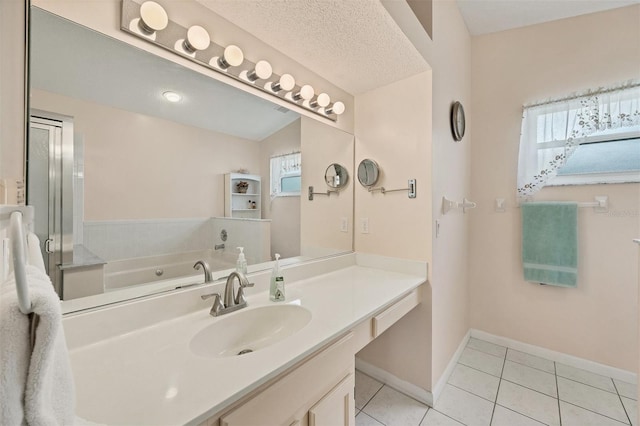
(241,204)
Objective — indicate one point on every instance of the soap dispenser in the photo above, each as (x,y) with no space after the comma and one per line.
(276,291)
(241,264)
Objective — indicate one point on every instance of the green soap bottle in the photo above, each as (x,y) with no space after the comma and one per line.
(276,290)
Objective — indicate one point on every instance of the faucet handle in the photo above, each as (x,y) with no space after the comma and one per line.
(209,296)
(217,303)
(240,299)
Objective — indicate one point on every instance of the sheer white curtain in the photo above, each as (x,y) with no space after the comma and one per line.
(551,131)
(283,165)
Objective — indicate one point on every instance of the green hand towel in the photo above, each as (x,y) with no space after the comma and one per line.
(550,243)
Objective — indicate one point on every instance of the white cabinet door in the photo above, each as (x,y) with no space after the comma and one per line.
(337,407)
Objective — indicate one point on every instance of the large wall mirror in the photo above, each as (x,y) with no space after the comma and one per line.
(131,189)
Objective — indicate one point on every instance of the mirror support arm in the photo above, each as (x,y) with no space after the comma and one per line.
(411,189)
(328,193)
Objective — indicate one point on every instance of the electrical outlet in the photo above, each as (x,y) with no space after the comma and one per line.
(344,224)
(364,225)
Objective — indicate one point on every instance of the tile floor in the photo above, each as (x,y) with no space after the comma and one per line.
(494,385)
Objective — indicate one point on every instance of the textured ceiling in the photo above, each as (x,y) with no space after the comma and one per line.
(488,16)
(354,44)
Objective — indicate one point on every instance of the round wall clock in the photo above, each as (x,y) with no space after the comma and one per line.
(457,121)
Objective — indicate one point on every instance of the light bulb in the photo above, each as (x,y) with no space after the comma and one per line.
(232,57)
(197,39)
(153,17)
(262,70)
(337,108)
(286,82)
(306,92)
(321,101)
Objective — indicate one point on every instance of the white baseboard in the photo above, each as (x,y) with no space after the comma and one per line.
(437,389)
(573,361)
(390,380)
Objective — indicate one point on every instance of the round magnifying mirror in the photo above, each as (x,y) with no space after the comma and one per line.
(336,176)
(368,172)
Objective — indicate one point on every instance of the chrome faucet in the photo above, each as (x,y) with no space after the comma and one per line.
(232,302)
(238,299)
(207,270)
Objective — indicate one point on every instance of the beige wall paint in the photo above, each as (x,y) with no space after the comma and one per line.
(597,320)
(451,62)
(434,331)
(320,224)
(284,212)
(12,36)
(138,166)
(393,127)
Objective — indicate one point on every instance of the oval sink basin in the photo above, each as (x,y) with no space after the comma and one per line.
(249,330)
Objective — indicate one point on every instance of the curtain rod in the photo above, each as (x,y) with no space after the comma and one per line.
(284,155)
(630,85)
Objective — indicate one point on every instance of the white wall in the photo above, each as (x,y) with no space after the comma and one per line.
(284,212)
(142,167)
(596,320)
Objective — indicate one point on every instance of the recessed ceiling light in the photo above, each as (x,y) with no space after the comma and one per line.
(172,96)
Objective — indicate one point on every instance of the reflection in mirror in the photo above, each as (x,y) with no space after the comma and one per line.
(159,185)
(336,176)
(368,172)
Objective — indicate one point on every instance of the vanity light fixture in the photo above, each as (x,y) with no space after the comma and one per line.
(262,70)
(232,57)
(286,83)
(197,39)
(172,96)
(306,93)
(337,108)
(322,101)
(153,17)
(147,18)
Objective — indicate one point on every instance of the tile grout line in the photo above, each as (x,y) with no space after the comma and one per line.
(591,386)
(555,370)
(368,401)
(504,362)
(469,392)
(595,412)
(477,369)
(523,415)
(530,366)
(620,398)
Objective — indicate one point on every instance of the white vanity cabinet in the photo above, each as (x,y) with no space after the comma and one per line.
(242,203)
(319,392)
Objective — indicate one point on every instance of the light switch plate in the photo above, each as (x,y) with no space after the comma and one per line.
(364,225)
(344,224)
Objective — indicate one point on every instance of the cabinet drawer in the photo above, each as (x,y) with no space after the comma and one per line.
(389,316)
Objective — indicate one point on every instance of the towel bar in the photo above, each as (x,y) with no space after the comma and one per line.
(600,205)
(16,234)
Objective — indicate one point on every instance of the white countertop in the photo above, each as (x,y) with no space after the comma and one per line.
(150,376)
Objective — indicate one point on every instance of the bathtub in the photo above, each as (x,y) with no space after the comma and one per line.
(124,273)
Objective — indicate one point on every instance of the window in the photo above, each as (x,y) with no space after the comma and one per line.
(588,139)
(286,175)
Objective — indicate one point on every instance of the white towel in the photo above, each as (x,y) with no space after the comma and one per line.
(36,386)
(34,254)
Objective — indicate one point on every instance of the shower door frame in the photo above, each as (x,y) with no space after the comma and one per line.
(59,245)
